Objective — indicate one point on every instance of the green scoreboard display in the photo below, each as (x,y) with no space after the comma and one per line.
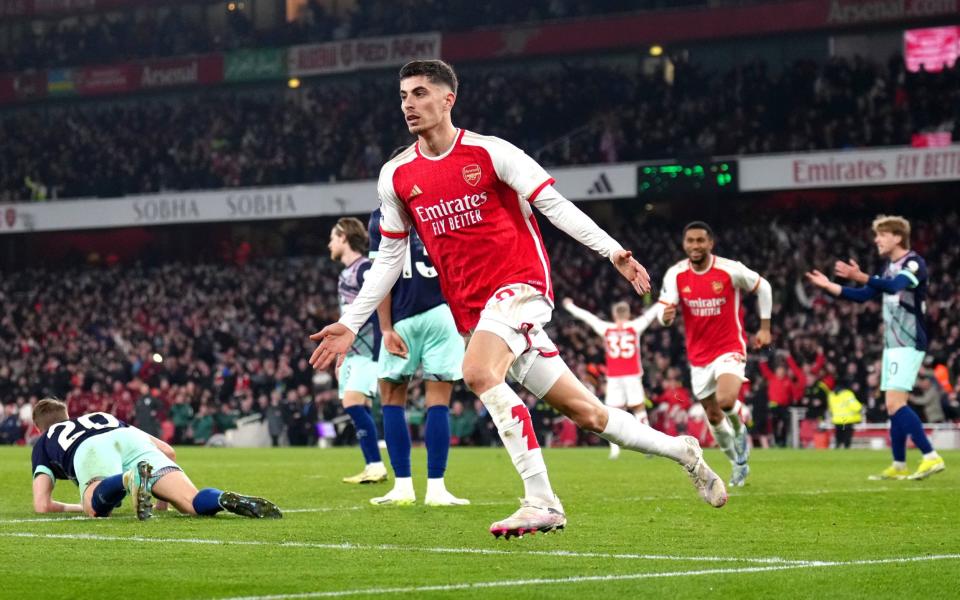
(709,177)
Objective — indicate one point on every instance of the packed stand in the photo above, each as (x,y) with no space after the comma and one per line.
(224,139)
(187,351)
(161,31)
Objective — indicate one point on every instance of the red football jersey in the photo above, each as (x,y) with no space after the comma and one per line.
(621,341)
(471,207)
(711,306)
(622,351)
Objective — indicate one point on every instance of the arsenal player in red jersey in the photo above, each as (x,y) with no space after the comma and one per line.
(622,350)
(471,199)
(708,290)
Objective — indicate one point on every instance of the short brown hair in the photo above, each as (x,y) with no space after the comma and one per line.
(621,308)
(436,71)
(353,229)
(895,225)
(49,411)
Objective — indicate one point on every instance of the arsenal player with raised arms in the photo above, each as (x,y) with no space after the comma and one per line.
(622,351)
(471,200)
(707,288)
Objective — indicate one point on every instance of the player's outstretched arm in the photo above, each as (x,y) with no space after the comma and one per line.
(856,294)
(598,325)
(823,282)
(850,270)
(43,501)
(765,306)
(574,222)
(337,338)
(641,323)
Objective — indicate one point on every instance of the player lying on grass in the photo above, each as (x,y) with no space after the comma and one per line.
(108,459)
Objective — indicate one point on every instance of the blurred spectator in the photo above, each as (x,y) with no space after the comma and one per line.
(11,428)
(146,412)
(260,137)
(163,30)
(201,427)
(463,423)
(927,400)
(276,418)
(781,390)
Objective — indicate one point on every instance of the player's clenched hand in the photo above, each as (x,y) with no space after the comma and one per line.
(395,344)
(763,339)
(334,339)
(632,271)
(669,314)
(849,270)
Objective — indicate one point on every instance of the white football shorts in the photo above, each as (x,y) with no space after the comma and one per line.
(704,379)
(516,314)
(625,391)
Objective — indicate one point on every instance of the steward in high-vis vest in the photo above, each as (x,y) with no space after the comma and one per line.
(845,413)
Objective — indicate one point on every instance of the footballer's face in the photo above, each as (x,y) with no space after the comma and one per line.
(338,244)
(886,242)
(697,244)
(424,104)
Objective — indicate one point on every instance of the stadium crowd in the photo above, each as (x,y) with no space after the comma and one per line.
(184,350)
(221,138)
(157,31)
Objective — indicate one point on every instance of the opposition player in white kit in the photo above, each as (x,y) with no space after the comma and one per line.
(471,199)
(708,289)
(622,352)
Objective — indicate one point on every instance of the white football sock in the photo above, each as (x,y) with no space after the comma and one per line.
(723,434)
(642,416)
(403,485)
(512,419)
(436,486)
(931,455)
(733,415)
(625,430)
(614,450)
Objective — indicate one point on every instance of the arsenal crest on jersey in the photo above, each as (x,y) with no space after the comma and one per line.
(717,287)
(471,174)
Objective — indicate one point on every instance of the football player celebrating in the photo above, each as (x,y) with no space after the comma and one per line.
(622,351)
(708,290)
(471,200)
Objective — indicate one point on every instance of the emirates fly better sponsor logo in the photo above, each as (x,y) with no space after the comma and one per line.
(705,307)
(450,215)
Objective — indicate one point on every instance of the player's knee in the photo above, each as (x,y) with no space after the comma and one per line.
(715,414)
(90,512)
(479,378)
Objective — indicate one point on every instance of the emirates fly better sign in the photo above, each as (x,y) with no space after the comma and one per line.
(885,166)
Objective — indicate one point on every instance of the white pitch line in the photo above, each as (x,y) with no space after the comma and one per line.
(396,548)
(739,495)
(321,509)
(45,520)
(589,578)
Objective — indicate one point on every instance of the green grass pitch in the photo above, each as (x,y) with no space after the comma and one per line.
(808,525)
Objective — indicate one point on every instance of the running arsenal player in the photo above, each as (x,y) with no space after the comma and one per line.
(470,199)
(708,288)
(622,349)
